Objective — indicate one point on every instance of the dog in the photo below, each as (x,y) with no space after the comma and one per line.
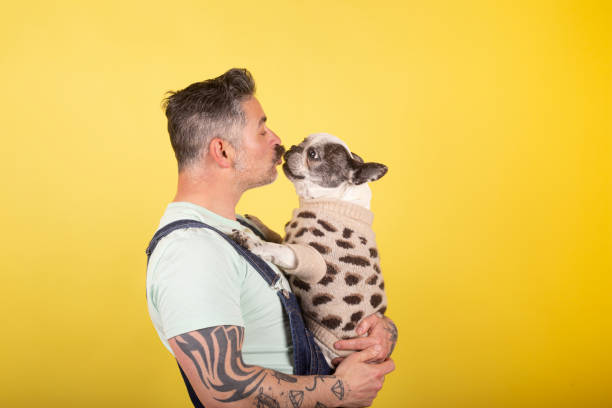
(329,249)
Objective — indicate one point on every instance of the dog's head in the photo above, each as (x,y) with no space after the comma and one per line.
(323,164)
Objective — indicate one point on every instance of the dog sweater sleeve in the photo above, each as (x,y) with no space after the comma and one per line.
(310,266)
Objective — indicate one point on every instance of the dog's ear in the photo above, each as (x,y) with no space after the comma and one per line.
(357,157)
(366,172)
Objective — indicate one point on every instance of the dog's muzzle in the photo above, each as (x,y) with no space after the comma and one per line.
(292,150)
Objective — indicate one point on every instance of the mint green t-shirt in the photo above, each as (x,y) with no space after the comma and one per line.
(195,279)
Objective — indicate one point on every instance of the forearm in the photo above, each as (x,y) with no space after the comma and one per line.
(214,366)
(250,386)
(290,391)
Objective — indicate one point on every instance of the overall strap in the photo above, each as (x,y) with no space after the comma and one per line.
(167,229)
(271,277)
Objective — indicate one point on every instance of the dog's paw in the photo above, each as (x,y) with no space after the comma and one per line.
(268,234)
(245,239)
(249,241)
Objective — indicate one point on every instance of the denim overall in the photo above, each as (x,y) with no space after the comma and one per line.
(307,357)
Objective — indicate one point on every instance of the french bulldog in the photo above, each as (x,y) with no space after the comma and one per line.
(329,249)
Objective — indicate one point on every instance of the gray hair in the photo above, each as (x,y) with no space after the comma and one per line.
(205,110)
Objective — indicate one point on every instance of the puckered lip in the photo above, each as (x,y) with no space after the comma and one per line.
(289,173)
(279,150)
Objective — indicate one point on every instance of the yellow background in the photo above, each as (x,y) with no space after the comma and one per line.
(493,223)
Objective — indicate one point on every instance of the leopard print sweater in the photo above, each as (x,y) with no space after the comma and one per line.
(352,287)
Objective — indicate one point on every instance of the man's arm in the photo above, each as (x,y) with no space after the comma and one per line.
(212,361)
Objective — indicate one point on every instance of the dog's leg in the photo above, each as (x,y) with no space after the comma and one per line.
(303,261)
(278,254)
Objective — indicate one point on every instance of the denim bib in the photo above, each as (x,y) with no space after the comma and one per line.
(307,357)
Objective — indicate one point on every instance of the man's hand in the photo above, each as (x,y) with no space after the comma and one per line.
(381,332)
(363,380)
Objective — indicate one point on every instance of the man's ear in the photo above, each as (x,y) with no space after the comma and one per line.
(367,172)
(222,152)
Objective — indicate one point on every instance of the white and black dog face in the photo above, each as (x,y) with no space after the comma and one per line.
(323,166)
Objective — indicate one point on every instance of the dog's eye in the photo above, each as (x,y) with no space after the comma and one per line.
(312,153)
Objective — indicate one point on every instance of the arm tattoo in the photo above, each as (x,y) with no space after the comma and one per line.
(319,377)
(284,377)
(296,397)
(227,374)
(266,401)
(215,353)
(390,327)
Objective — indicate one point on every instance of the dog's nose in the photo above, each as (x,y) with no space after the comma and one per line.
(287,152)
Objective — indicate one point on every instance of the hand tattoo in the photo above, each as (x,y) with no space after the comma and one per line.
(390,327)
(338,390)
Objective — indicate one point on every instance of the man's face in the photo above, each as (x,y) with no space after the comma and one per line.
(259,152)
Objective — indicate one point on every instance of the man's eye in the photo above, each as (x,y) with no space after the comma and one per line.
(312,154)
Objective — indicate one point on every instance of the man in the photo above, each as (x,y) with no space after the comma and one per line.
(232,332)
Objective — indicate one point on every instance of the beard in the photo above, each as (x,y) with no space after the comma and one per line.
(252,174)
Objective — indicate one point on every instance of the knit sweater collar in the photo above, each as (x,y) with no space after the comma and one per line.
(339,207)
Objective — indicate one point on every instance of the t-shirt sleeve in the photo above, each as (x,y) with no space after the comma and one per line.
(197,285)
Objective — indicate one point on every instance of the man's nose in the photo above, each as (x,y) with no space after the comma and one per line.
(275,138)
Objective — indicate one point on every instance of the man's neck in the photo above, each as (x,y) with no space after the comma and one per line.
(212,192)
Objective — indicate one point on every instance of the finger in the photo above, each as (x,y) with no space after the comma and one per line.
(366,355)
(367,323)
(363,356)
(360,343)
(387,366)
(337,361)
(379,356)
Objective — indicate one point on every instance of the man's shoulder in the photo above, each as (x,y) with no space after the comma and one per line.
(194,242)
(195,256)
(197,235)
